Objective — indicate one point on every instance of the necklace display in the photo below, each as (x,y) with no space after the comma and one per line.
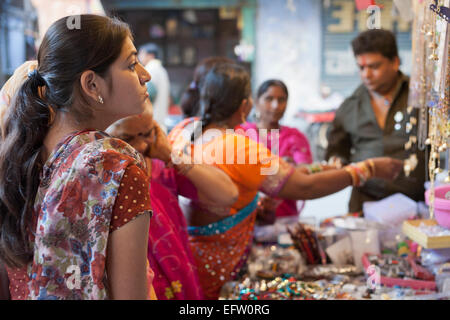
(429,90)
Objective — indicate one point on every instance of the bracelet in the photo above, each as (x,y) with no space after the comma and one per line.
(351,170)
(363,173)
(314,168)
(366,170)
(372,166)
(360,173)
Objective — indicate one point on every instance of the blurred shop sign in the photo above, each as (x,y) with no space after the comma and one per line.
(51,10)
(344,17)
(341,23)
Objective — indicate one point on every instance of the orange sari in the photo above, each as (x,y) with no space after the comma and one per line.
(220,249)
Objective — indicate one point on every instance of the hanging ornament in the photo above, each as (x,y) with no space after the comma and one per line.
(429,89)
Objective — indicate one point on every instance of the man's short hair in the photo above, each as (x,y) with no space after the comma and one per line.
(376,41)
(150,48)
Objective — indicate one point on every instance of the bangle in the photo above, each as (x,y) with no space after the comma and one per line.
(362,171)
(359,172)
(351,170)
(372,166)
(314,168)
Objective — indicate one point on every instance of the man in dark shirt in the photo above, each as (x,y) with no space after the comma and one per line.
(372,121)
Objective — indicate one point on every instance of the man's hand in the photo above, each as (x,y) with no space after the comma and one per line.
(387,168)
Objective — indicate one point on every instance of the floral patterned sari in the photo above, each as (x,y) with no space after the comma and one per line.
(73,217)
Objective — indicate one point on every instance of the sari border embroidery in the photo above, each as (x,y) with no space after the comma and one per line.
(226,224)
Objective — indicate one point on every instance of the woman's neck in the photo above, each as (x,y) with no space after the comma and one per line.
(63,125)
(219,126)
(267,125)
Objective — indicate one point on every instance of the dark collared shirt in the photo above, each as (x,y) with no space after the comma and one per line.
(355,136)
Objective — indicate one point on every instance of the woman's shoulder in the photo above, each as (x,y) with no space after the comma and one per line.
(99,147)
(246,126)
(291,131)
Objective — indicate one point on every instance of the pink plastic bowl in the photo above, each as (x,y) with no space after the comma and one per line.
(441,205)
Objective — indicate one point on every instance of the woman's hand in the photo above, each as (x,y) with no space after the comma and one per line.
(159,146)
(386,168)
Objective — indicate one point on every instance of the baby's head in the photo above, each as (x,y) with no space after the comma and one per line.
(134,130)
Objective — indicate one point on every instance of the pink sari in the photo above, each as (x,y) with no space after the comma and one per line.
(292,144)
(169,253)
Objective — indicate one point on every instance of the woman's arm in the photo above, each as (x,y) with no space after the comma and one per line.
(304,186)
(213,185)
(301,186)
(126,260)
(316,167)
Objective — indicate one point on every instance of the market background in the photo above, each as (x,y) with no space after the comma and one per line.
(305,43)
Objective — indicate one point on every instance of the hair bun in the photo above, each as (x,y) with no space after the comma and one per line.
(36,76)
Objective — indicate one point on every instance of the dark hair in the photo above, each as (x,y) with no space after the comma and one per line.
(224,88)
(269,83)
(191,97)
(63,56)
(376,41)
(150,48)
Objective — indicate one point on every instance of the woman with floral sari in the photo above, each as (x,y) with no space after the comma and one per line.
(220,237)
(71,218)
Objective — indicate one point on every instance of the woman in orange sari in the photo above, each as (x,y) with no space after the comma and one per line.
(220,237)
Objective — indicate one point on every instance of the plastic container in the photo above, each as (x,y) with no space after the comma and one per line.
(441,205)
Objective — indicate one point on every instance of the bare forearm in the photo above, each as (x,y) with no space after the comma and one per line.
(301,186)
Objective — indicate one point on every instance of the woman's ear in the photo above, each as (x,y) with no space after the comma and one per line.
(244,109)
(246,106)
(90,85)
